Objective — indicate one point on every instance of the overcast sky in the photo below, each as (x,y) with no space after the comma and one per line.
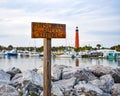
(98,21)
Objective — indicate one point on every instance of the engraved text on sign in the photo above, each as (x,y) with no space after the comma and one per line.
(48,30)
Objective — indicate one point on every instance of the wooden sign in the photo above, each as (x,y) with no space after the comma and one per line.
(48,30)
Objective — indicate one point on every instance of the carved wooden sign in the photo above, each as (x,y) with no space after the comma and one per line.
(48,30)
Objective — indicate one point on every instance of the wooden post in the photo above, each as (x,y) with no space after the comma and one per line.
(47,31)
(47,67)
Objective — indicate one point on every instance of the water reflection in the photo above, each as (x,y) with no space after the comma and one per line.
(25,63)
(10,57)
(77,62)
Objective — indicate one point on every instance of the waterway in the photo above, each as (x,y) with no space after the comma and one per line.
(26,63)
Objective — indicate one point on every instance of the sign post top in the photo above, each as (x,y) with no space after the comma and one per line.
(48,30)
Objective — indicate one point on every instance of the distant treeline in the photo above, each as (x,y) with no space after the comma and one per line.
(60,48)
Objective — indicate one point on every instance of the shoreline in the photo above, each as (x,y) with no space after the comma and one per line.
(97,80)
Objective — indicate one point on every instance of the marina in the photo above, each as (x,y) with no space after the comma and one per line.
(26,63)
(59,48)
(33,59)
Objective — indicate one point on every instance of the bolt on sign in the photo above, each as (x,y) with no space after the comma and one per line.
(48,30)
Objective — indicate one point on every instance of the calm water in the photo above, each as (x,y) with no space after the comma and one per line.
(35,62)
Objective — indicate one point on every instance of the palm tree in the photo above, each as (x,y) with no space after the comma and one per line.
(98,46)
(10,47)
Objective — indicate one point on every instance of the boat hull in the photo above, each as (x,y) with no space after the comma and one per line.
(11,54)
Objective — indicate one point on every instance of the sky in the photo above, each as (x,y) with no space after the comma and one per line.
(98,21)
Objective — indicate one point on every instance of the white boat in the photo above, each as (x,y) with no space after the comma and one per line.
(110,54)
(12,53)
(117,55)
(24,53)
(41,54)
(34,54)
(66,54)
(78,56)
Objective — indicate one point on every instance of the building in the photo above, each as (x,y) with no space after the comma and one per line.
(77,38)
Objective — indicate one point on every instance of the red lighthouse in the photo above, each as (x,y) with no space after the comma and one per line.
(77,38)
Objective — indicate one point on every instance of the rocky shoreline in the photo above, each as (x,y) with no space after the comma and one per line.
(96,80)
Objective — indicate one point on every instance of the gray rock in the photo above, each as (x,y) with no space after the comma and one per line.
(105,83)
(17,81)
(56,72)
(13,71)
(108,80)
(56,90)
(81,74)
(18,78)
(33,77)
(4,76)
(116,75)
(61,67)
(68,73)
(29,82)
(40,70)
(116,89)
(106,94)
(88,90)
(32,83)
(7,90)
(99,70)
(65,85)
(85,75)
(41,93)
(31,88)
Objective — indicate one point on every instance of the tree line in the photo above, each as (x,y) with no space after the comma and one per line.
(60,48)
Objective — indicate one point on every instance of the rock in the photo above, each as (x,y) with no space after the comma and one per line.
(116,75)
(85,75)
(40,70)
(56,72)
(4,77)
(42,94)
(56,90)
(105,83)
(32,83)
(99,70)
(7,90)
(31,88)
(61,67)
(33,77)
(106,94)
(81,74)
(88,90)
(109,81)
(65,85)
(68,73)
(29,82)
(17,80)
(13,71)
(35,70)
(116,89)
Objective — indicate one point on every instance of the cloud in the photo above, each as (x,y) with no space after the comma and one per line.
(94,18)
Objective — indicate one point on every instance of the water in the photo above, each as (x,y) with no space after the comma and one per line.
(35,62)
